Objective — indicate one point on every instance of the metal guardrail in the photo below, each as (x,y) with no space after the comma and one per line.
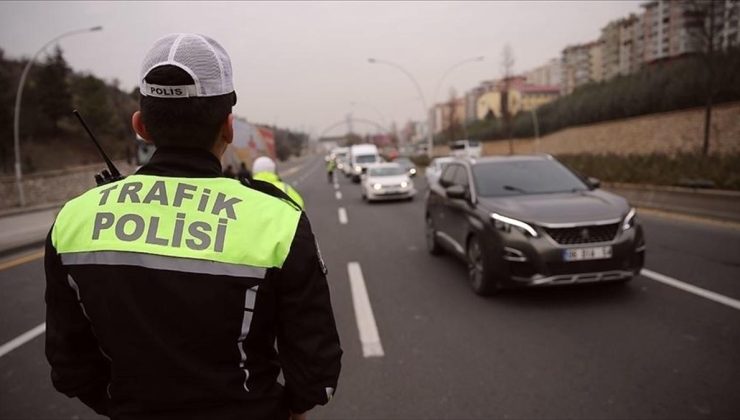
(715,204)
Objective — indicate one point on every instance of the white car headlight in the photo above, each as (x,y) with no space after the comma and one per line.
(505,223)
(412,171)
(377,187)
(404,184)
(629,220)
(358,168)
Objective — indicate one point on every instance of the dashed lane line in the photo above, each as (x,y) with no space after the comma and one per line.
(305,175)
(22,339)
(342,215)
(338,195)
(291,171)
(707,294)
(368,329)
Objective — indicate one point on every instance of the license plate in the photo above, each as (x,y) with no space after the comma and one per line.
(581,254)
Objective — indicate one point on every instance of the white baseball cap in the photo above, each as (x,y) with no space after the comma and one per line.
(204,59)
(263,164)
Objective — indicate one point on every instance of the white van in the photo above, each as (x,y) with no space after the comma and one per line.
(360,156)
(466,148)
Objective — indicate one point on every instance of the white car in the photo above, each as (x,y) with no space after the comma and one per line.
(466,148)
(387,181)
(434,170)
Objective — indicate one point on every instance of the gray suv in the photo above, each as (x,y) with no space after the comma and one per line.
(530,221)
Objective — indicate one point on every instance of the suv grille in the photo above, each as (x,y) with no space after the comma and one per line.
(583,234)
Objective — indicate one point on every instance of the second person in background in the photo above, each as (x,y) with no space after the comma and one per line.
(264,169)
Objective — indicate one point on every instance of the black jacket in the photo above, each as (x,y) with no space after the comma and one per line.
(141,343)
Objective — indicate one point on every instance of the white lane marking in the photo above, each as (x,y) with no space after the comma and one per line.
(707,294)
(342,216)
(371,346)
(338,195)
(22,339)
(288,172)
(336,186)
(306,174)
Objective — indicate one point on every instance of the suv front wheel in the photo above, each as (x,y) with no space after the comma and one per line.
(431,237)
(479,272)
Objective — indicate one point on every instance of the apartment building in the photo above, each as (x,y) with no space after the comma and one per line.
(445,114)
(620,49)
(729,16)
(548,74)
(582,64)
(677,28)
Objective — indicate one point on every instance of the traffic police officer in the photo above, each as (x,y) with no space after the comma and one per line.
(264,169)
(168,291)
(330,166)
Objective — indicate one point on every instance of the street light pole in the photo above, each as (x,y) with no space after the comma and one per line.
(377,111)
(449,70)
(430,146)
(444,76)
(17,113)
(536,130)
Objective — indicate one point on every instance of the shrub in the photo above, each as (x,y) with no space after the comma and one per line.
(683,169)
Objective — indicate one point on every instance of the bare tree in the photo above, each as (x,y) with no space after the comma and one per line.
(705,20)
(507,66)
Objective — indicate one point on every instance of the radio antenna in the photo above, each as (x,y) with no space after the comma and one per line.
(111,167)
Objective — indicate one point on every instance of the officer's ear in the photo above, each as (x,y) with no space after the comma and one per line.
(227,130)
(138,124)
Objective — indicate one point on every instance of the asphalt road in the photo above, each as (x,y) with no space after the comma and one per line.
(642,350)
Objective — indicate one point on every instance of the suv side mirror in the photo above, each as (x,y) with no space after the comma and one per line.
(594,182)
(456,191)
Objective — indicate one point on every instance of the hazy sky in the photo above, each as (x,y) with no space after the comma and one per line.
(303,64)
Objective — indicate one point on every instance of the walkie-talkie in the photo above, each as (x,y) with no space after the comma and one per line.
(107,175)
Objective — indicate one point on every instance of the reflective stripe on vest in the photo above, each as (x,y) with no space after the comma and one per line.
(211,225)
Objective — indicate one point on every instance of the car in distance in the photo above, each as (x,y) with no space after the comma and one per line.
(407,165)
(530,221)
(387,181)
(434,170)
(466,148)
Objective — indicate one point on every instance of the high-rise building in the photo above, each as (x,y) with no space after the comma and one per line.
(677,28)
(548,74)
(446,114)
(620,47)
(581,64)
(730,18)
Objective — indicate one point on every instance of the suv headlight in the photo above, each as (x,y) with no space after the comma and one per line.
(377,187)
(358,168)
(404,184)
(629,220)
(506,223)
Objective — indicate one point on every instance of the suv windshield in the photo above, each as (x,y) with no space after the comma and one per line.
(387,171)
(365,159)
(495,179)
